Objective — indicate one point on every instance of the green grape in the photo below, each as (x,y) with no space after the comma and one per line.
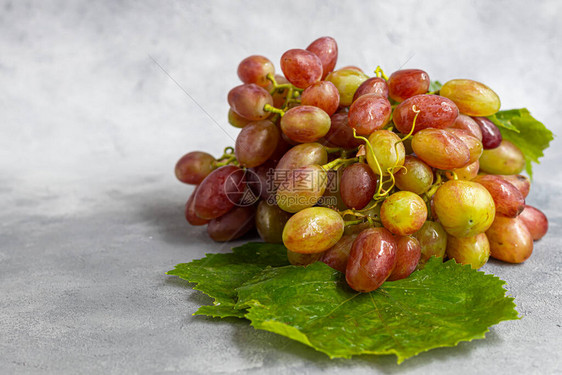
(388,149)
(403,213)
(417,176)
(305,123)
(236,120)
(473,98)
(433,241)
(302,189)
(298,259)
(465,173)
(510,240)
(347,81)
(504,159)
(313,230)
(464,208)
(474,250)
(270,221)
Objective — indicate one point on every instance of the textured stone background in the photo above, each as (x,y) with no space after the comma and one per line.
(91,216)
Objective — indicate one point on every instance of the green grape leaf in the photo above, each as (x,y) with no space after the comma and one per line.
(524,131)
(435,86)
(441,305)
(218,275)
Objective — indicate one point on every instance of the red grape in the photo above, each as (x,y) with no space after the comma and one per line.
(408,253)
(491,136)
(371,260)
(404,84)
(358,185)
(467,123)
(435,112)
(248,101)
(323,95)
(232,225)
(219,192)
(256,142)
(374,85)
(508,199)
(340,133)
(254,69)
(510,240)
(535,221)
(368,113)
(193,167)
(326,49)
(305,123)
(301,67)
(337,255)
(190,215)
(440,149)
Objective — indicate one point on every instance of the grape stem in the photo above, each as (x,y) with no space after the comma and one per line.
(272,109)
(380,73)
(338,163)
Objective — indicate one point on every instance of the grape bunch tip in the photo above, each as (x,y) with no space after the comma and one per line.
(370,175)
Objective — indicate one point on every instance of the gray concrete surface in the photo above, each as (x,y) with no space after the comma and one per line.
(91,216)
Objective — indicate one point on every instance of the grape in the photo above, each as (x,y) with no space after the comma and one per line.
(190,215)
(305,123)
(353,67)
(332,195)
(301,67)
(510,240)
(474,250)
(535,221)
(404,84)
(236,120)
(371,260)
(389,151)
(326,49)
(407,142)
(504,159)
(464,208)
(301,156)
(280,95)
(403,213)
(232,225)
(193,167)
(473,98)
(313,230)
(302,189)
(219,192)
(465,173)
(340,134)
(433,241)
(508,200)
(435,112)
(467,123)
(347,81)
(374,85)
(473,144)
(337,255)
(491,135)
(440,149)
(522,183)
(408,253)
(369,113)
(255,143)
(298,259)
(323,95)
(248,101)
(254,69)
(270,221)
(260,179)
(358,185)
(417,176)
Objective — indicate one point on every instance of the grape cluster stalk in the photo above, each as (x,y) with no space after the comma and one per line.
(370,175)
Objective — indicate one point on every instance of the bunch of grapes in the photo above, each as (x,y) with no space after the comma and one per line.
(371,175)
